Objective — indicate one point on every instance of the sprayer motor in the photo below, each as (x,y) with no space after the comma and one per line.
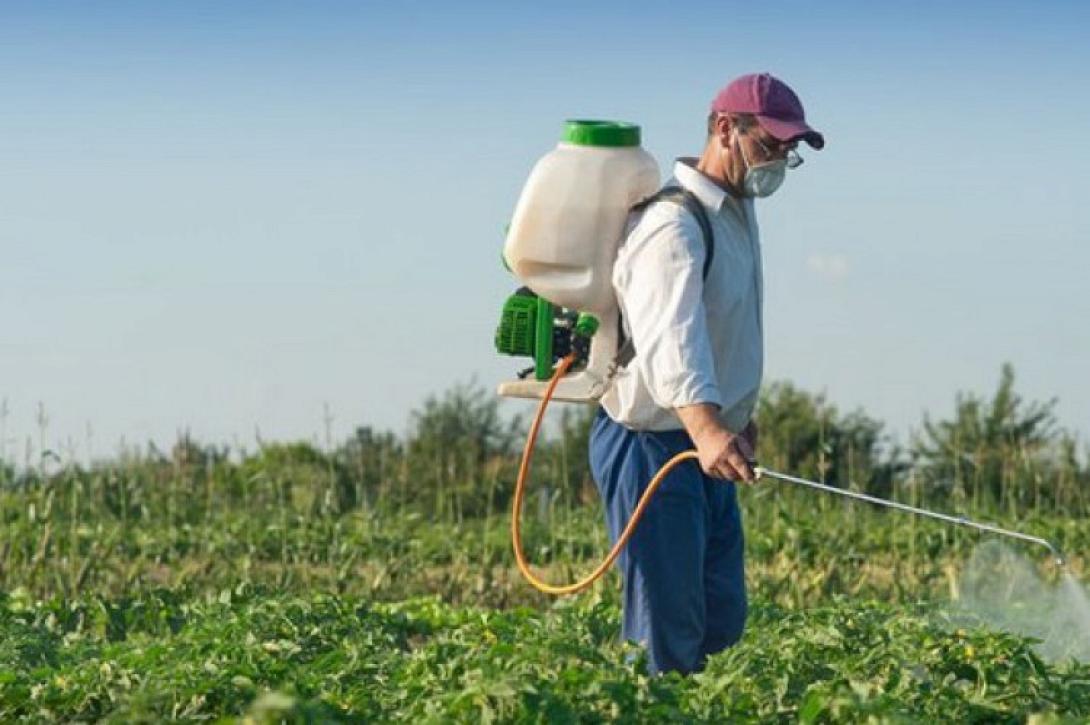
(531,326)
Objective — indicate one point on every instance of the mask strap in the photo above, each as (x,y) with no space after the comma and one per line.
(742,151)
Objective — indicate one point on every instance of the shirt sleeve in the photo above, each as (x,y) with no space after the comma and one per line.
(659,282)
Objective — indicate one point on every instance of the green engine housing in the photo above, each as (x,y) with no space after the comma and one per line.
(531,326)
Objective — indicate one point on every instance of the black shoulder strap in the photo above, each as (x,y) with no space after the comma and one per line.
(626,350)
(687,199)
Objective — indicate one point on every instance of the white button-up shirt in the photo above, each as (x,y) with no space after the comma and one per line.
(696,340)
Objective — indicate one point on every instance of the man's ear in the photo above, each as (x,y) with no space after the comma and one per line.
(723,127)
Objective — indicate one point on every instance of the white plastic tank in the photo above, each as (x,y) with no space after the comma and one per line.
(569,220)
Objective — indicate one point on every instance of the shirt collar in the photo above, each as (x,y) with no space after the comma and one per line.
(710,194)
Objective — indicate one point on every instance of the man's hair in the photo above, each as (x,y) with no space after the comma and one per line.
(742,121)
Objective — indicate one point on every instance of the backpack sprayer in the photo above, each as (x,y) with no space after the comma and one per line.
(562,242)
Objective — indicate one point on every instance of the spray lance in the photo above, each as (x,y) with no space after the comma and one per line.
(578,195)
(762,472)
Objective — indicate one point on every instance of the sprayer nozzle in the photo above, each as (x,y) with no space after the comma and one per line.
(1057,555)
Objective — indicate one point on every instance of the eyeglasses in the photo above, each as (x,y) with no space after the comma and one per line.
(794,161)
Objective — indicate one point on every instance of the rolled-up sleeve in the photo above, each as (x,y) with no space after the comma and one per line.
(659,282)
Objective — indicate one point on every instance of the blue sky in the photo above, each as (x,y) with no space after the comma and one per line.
(222,216)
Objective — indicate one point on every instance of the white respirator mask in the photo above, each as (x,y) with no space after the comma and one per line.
(762,179)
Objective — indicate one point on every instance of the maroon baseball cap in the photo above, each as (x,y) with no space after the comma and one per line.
(777,108)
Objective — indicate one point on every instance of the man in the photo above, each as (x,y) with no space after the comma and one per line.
(694,379)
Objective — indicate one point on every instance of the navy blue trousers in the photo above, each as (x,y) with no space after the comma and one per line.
(683,569)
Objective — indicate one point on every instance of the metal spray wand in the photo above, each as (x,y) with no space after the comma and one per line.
(762,472)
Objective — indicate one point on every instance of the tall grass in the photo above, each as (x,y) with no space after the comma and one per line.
(385,516)
(272,517)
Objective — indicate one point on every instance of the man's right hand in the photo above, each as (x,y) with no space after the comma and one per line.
(725,455)
(722,454)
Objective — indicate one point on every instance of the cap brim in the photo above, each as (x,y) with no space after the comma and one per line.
(791,131)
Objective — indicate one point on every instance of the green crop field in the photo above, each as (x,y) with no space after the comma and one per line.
(372,579)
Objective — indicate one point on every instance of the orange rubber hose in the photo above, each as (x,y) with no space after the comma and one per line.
(520,487)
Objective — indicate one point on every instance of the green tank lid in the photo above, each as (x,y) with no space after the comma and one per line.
(601,133)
